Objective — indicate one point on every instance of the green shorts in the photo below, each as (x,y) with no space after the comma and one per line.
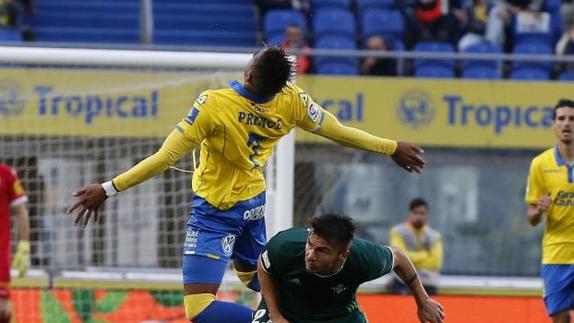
(261,315)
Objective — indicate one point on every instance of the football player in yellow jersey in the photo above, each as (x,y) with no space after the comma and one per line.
(236,129)
(550,192)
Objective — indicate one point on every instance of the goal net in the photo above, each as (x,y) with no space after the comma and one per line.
(69,117)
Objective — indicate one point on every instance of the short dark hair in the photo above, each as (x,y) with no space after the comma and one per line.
(417,202)
(333,228)
(272,70)
(562,103)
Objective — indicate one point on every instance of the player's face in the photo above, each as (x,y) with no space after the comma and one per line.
(564,124)
(419,216)
(322,257)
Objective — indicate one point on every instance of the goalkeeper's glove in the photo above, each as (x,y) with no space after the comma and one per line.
(21,259)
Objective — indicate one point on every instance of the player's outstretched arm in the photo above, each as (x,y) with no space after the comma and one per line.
(270,294)
(428,310)
(91,197)
(404,154)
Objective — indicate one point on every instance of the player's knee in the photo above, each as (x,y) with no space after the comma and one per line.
(249,279)
(196,303)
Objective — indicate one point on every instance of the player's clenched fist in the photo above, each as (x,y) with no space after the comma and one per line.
(431,311)
(544,203)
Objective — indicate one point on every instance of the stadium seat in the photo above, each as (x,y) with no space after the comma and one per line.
(207,24)
(480,73)
(334,21)
(434,47)
(337,69)
(567,76)
(335,63)
(387,23)
(363,5)
(532,48)
(330,4)
(276,21)
(335,42)
(10,36)
(483,48)
(434,72)
(551,5)
(537,29)
(532,74)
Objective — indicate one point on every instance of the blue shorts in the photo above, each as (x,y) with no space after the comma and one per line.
(237,233)
(558,288)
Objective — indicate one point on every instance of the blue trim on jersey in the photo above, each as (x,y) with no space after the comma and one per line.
(561,162)
(246,94)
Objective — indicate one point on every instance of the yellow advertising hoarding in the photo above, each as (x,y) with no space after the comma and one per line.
(101,103)
(446,113)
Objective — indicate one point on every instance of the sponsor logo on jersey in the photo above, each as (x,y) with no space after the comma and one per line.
(314,112)
(227,244)
(190,119)
(255,213)
(265,260)
(295,281)
(564,199)
(191,239)
(201,99)
(339,288)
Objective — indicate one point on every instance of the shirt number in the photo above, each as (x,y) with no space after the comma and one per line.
(254,142)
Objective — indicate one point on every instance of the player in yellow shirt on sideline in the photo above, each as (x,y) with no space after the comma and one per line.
(550,192)
(236,129)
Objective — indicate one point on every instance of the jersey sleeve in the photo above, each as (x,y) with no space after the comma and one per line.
(535,186)
(375,260)
(310,115)
(16,194)
(270,259)
(199,123)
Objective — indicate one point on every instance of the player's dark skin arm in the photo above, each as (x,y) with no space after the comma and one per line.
(269,293)
(428,310)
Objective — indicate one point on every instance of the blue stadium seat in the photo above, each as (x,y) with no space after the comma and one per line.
(551,5)
(275,39)
(335,42)
(480,73)
(530,74)
(208,23)
(363,5)
(329,4)
(567,76)
(387,23)
(10,36)
(532,48)
(337,69)
(434,47)
(334,21)
(276,21)
(483,48)
(434,72)
(532,34)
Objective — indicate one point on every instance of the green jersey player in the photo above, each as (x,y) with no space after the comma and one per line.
(312,275)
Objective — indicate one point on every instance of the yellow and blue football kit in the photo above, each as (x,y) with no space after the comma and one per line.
(550,174)
(236,131)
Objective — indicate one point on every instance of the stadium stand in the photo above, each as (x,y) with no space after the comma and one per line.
(276,21)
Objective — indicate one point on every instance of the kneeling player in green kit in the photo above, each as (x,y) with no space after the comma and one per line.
(312,275)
